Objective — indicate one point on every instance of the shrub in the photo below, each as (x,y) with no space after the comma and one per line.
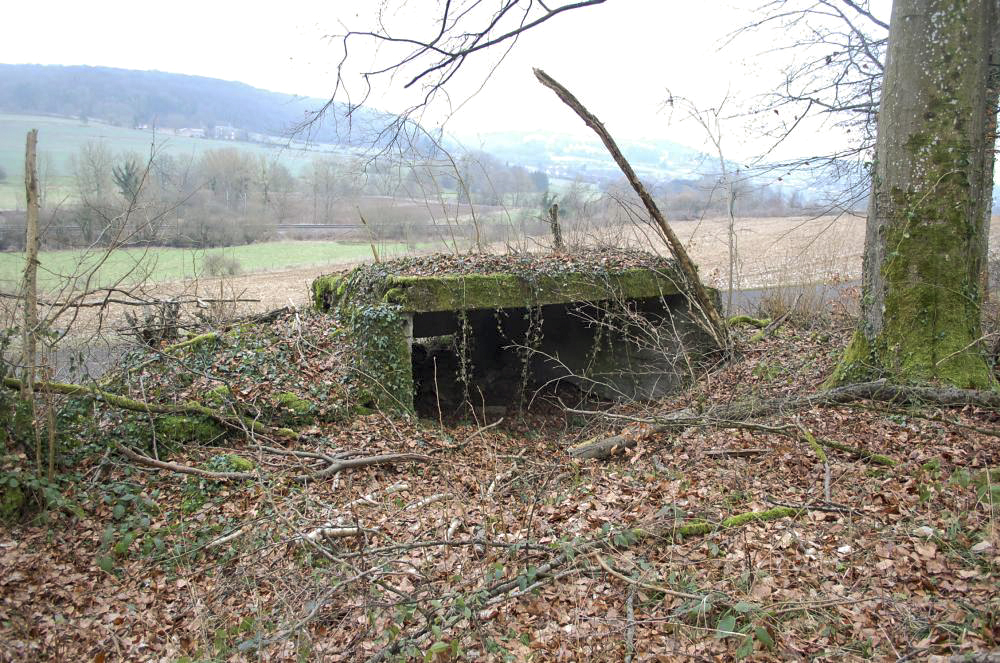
(217,264)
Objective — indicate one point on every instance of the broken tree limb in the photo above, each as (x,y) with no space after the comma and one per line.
(737,320)
(142,459)
(695,288)
(702,527)
(126,403)
(857,452)
(735,415)
(191,342)
(384,459)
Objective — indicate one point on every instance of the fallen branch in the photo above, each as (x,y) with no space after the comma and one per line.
(79,302)
(655,588)
(470,438)
(737,320)
(857,452)
(331,532)
(222,540)
(735,415)
(142,459)
(258,318)
(370,497)
(547,571)
(775,325)
(697,528)
(191,342)
(384,459)
(427,501)
(826,506)
(735,453)
(810,440)
(126,403)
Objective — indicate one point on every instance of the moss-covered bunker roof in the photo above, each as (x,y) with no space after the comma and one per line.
(445,282)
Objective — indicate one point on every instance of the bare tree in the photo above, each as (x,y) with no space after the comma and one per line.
(833,53)
(429,60)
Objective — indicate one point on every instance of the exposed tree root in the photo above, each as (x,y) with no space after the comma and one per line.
(126,403)
(737,414)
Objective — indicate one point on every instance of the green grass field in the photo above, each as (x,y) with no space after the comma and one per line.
(60,138)
(163,264)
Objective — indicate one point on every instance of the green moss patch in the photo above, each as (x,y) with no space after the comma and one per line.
(491,283)
(292,410)
(182,429)
(12,502)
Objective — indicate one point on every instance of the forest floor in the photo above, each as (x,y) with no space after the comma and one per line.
(495,544)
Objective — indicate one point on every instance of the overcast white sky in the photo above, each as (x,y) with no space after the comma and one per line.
(618,58)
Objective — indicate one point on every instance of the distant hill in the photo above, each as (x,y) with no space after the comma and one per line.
(570,156)
(129,98)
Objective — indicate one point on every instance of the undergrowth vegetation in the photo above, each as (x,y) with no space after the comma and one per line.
(488,541)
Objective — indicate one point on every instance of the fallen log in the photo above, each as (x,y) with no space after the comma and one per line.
(191,342)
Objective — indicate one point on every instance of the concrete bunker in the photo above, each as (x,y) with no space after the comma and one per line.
(494,330)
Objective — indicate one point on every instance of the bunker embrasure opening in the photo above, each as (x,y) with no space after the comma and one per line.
(439,332)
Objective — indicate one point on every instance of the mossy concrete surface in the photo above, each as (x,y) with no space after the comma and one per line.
(455,292)
(384,306)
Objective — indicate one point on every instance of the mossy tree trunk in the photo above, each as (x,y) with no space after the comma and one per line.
(928,217)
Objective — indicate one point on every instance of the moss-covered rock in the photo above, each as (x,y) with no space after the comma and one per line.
(218,396)
(236,463)
(291,409)
(183,429)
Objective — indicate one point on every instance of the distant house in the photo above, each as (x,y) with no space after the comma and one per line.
(191,133)
(228,132)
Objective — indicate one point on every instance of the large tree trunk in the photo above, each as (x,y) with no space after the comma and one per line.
(928,217)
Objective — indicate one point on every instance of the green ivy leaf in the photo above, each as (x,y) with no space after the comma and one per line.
(764,637)
(726,626)
(746,648)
